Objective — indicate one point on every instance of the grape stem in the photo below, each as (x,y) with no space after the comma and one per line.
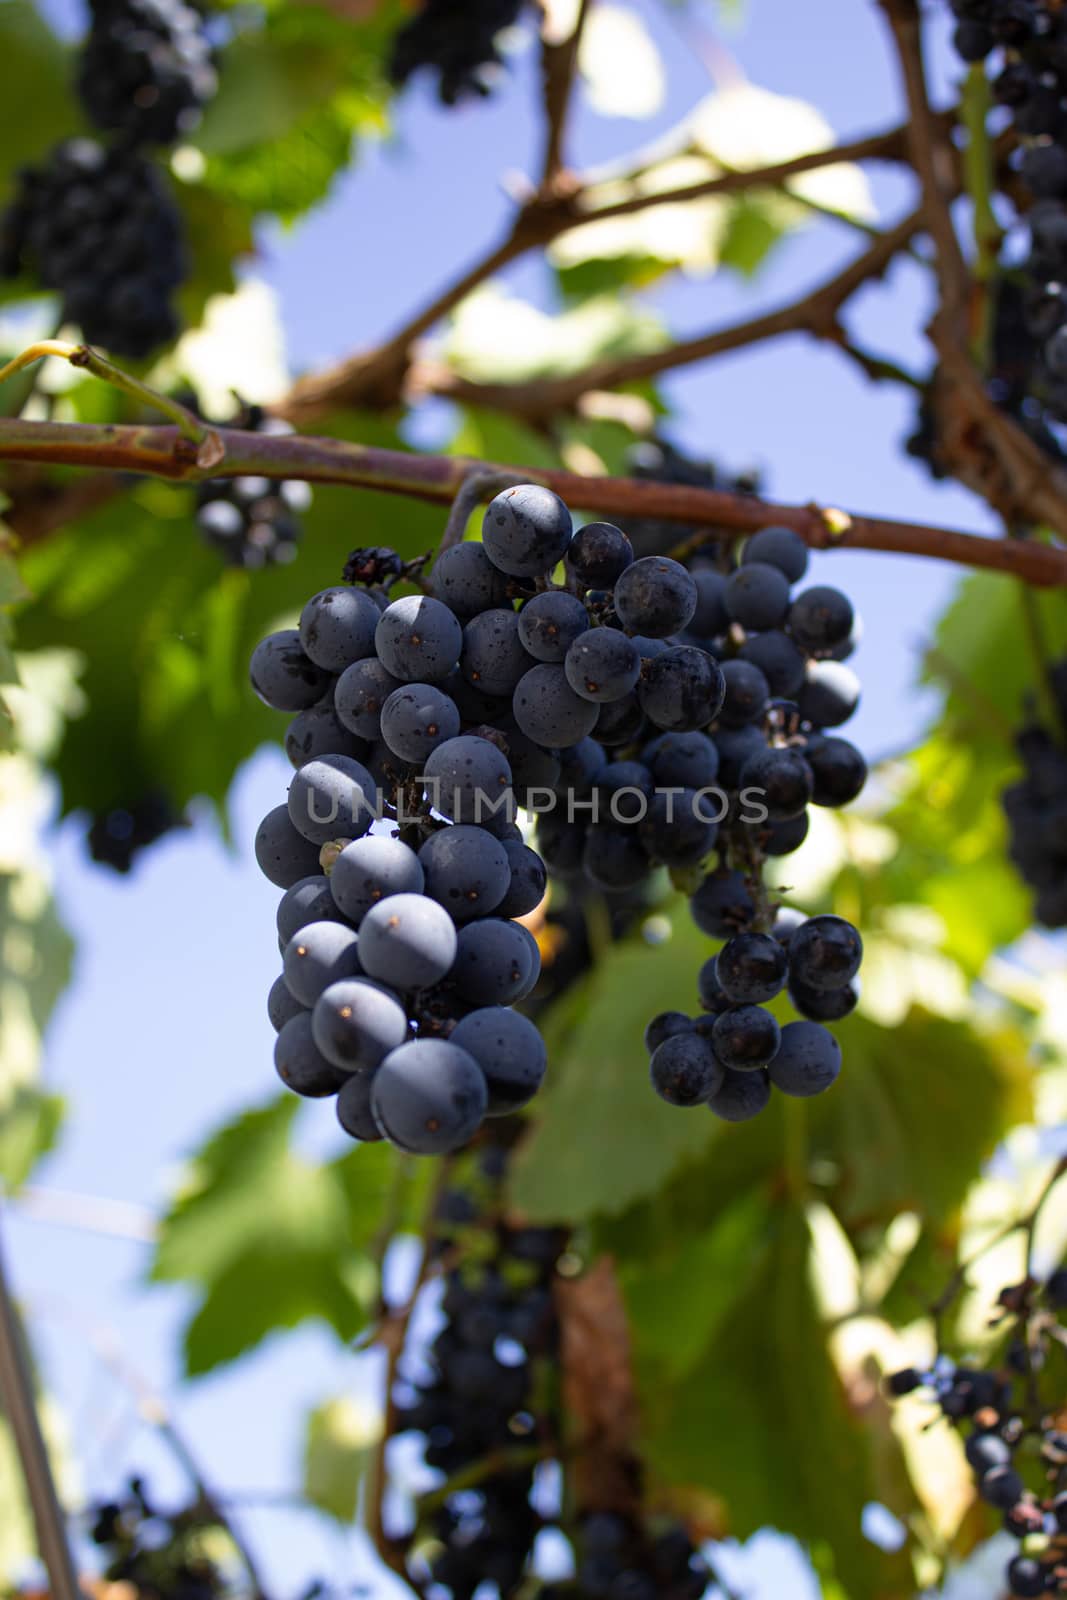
(161,452)
(16,1391)
(189,425)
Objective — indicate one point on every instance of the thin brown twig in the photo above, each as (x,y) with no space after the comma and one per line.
(936,172)
(16,1393)
(559,66)
(815,312)
(155,452)
(377,376)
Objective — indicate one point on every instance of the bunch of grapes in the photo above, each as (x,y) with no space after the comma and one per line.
(253,522)
(719,693)
(1024,43)
(100,228)
(478,1399)
(145,70)
(1036,809)
(117,836)
(1016,1447)
(158,1555)
(458,41)
(403,957)
(485,1398)
(95,223)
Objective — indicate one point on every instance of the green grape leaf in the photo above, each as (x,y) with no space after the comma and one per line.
(269,1239)
(36,108)
(496,337)
(980,656)
(764,1395)
(293,95)
(604,1139)
(338,1445)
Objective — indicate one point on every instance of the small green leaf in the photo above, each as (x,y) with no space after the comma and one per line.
(338,1446)
(604,1139)
(269,1239)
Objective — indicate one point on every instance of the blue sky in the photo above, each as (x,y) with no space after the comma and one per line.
(163,1033)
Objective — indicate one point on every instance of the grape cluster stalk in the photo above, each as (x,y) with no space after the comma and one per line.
(96,222)
(1014,1427)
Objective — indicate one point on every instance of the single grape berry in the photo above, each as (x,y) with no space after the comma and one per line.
(356,1023)
(602,665)
(829,695)
(469,780)
(494,658)
(283,855)
(320,954)
(370,869)
(1027,1577)
(782,781)
(466,870)
(548,711)
(722,905)
(359,695)
(778,658)
(309,900)
(599,554)
(838,770)
(820,618)
(808,1060)
(779,547)
(284,676)
(407,941)
(682,689)
(684,1070)
(416,718)
(465,579)
(429,1096)
(746,693)
(510,1051)
(418,639)
(665,1026)
(354,1111)
(526,531)
(549,624)
(750,968)
(825,953)
(300,1064)
(757,595)
(824,1005)
(655,597)
(745,1037)
(741,1095)
(337,627)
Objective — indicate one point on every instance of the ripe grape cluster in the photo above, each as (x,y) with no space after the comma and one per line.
(117,836)
(1015,1447)
(484,1396)
(96,223)
(1024,43)
(427,715)
(99,227)
(156,1554)
(457,40)
(1036,809)
(720,693)
(253,522)
(145,70)
(477,1398)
